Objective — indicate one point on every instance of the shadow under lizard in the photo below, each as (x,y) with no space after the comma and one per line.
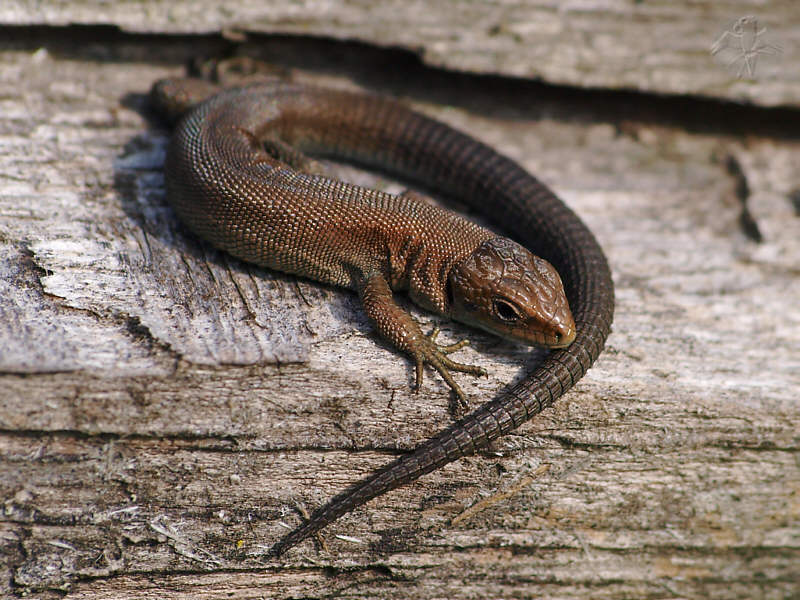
(237,173)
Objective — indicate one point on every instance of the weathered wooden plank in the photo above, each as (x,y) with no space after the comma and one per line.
(660,46)
(135,460)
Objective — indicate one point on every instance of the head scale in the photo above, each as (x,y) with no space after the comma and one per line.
(503,288)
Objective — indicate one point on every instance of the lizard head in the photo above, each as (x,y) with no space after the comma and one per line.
(503,288)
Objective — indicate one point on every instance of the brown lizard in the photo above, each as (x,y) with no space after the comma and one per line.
(238,174)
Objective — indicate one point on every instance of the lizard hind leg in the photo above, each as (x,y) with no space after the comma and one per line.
(238,71)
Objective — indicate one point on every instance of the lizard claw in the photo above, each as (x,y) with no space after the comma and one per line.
(429,352)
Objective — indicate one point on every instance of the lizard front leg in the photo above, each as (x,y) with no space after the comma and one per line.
(396,325)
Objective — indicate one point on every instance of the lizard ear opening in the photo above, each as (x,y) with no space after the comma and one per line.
(448,290)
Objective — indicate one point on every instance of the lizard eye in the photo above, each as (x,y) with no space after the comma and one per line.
(505,310)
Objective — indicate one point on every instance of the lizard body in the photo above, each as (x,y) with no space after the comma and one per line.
(237,173)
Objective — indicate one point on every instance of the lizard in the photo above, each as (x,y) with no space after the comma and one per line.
(239,173)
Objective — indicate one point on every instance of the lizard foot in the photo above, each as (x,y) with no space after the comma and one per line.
(429,352)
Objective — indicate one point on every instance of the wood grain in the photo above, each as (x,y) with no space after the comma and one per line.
(661,46)
(163,408)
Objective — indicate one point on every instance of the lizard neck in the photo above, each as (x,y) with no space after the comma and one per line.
(428,267)
(418,261)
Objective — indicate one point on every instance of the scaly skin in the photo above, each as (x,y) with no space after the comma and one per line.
(238,175)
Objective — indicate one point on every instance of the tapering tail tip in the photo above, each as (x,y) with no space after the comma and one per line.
(287,542)
(279,547)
